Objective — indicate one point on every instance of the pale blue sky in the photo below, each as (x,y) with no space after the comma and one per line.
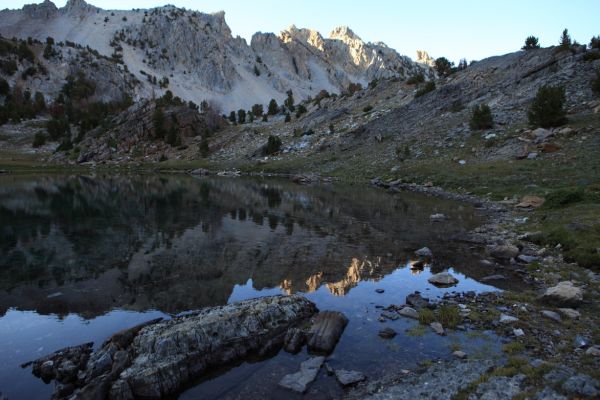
(473,29)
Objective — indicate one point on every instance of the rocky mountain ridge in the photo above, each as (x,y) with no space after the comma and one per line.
(196,56)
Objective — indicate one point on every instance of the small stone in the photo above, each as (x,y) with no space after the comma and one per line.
(387,333)
(409,312)
(530,202)
(527,259)
(580,342)
(552,315)
(460,354)
(417,301)
(518,332)
(507,319)
(379,290)
(438,328)
(593,351)
(437,217)
(346,377)
(582,385)
(390,315)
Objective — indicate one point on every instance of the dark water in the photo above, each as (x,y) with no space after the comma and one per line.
(82,257)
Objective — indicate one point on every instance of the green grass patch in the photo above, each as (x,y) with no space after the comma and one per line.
(426,316)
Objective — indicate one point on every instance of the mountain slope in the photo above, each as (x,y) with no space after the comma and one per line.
(196,57)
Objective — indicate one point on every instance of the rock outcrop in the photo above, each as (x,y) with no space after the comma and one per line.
(156,359)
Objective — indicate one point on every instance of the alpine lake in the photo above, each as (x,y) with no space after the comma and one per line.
(84,256)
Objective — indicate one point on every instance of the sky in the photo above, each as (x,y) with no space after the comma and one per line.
(471,29)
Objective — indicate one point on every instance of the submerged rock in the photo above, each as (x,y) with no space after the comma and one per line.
(387,333)
(346,377)
(437,328)
(409,312)
(299,381)
(326,329)
(155,360)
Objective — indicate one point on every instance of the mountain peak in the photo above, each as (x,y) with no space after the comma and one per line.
(343,33)
(78,6)
(43,10)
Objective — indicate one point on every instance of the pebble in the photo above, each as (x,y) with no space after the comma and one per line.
(460,354)
(379,290)
(507,319)
(552,315)
(518,332)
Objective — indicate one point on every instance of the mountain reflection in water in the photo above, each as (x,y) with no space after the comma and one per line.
(90,244)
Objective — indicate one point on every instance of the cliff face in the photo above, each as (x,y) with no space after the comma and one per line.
(196,57)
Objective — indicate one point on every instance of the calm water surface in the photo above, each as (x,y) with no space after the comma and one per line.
(84,256)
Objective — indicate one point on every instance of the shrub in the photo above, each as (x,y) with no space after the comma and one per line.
(595,42)
(367,108)
(57,128)
(428,87)
(353,88)
(481,117)
(531,43)
(596,83)
(4,87)
(546,109)
(443,66)
(158,120)
(273,145)
(289,101)
(256,71)
(301,110)
(565,40)
(204,150)
(241,116)
(8,67)
(232,117)
(257,110)
(24,52)
(591,56)
(457,106)
(563,198)
(39,139)
(288,117)
(273,107)
(418,78)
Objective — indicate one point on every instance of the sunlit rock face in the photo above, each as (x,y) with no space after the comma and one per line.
(201,58)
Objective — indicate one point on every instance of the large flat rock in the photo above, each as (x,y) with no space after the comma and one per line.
(156,360)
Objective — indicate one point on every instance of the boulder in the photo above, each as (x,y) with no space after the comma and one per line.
(417,301)
(299,381)
(346,377)
(564,294)
(325,331)
(460,354)
(156,359)
(424,252)
(443,279)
